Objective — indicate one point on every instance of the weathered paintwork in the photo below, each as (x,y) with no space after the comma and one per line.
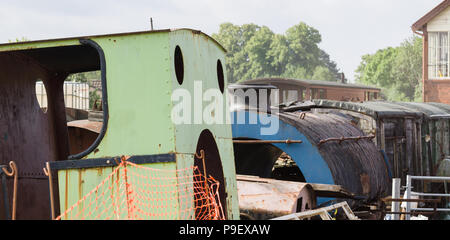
(140,79)
(30,136)
(355,165)
(265,198)
(306,155)
(415,136)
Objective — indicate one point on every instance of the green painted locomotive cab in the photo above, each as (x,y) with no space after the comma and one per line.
(140,73)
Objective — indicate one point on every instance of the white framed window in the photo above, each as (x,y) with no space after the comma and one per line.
(438,55)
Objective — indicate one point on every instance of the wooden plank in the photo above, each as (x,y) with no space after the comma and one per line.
(378,134)
(396,164)
(326,187)
(429,149)
(325,216)
(322,212)
(328,190)
(349,212)
(440,155)
(415,147)
(409,149)
(446,137)
(321,190)
(434,155)
(423,148)
(382,136)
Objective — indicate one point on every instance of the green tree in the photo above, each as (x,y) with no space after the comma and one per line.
(376,69)
(256,51)
(323,73)
(84,77)
(296,72)
(77,77)
(260,63)
(22,39)
(397,70)
(407,69)
(303,43)
(330,65)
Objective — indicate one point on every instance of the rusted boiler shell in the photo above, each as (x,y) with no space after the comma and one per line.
(30,136)
(354,162)
(261,199)
(414,136)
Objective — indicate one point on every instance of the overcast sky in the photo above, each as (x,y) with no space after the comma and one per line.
(349,28)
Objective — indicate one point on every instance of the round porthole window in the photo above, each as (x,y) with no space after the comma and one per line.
(220,77)
(179,65)
(41,95)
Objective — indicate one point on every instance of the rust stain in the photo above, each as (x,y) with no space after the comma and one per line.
(365,183)
(66,193)
(92,126)
(80,183)
(270,198)
(99,171)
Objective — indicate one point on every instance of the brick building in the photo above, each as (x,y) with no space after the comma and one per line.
(434,27)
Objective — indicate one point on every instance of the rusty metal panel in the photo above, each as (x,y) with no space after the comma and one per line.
(428,140)
(355,164)
(30,136)
(93,126)
(263,198)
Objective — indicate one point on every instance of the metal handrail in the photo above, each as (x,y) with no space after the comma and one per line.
(410,193)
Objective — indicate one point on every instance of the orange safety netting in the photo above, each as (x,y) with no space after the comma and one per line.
(133,192)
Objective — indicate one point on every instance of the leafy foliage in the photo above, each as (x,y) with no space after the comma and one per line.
(84,77)
(397,70)
(22,39)
(87,77)
(256,51)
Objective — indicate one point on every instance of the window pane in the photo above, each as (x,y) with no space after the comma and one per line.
(438,57)
(432,37)
(443,55)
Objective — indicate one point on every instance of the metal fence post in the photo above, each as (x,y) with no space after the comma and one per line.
(395,194)
(408,196)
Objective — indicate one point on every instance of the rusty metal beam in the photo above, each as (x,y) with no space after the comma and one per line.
(341,139)
(410,200)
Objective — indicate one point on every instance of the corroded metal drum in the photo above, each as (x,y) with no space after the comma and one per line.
(332,151)
(263,198)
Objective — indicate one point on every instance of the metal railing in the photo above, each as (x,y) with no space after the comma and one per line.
(322,212)
(409,193)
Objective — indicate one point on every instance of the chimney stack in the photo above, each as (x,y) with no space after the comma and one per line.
(342,78)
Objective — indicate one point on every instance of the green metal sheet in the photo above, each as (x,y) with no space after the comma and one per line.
(140,81)
(200,57)
(138,86)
